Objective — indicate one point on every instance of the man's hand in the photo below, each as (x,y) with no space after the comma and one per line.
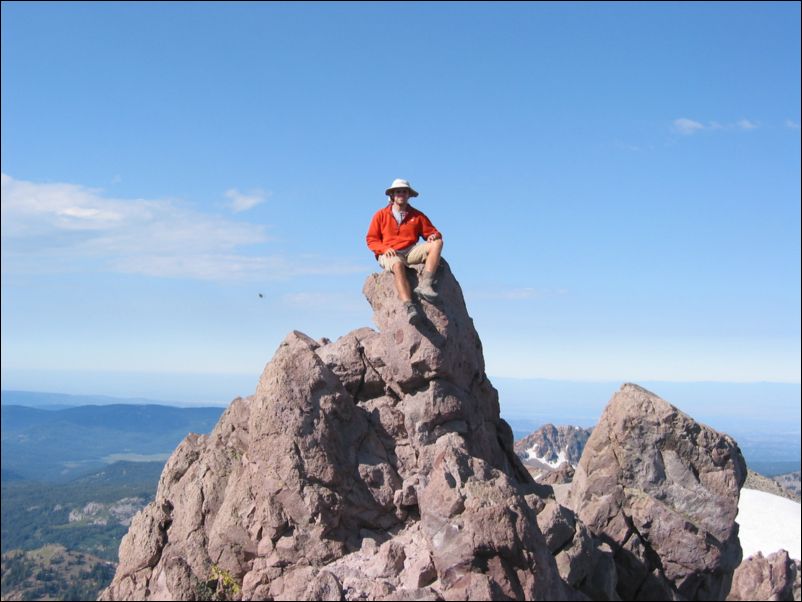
(390,253)
(433,237)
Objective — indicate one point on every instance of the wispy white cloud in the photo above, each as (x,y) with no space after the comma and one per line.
(794,125)
(242,202)
(57,227)
(688,127)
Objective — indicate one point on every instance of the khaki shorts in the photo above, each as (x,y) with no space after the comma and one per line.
(417,254)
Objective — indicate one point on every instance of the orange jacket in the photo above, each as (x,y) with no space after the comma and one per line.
(386,233)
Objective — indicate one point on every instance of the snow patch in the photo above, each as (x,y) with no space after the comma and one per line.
(532,454)
(768,523)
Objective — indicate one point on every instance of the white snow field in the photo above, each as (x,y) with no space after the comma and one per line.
(768,522)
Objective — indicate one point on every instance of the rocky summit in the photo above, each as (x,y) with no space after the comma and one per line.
(377,467)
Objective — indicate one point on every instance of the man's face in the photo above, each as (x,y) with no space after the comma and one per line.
(400,196)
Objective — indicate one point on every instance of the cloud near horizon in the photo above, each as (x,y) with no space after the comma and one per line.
(58,227)
(688,127)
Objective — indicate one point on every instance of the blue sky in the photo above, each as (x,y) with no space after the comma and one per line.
(618,184)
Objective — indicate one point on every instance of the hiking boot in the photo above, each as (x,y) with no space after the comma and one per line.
(413,315)
(425,288)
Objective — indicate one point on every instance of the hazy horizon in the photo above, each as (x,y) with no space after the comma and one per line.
(221,388)
(754,409)
(764,418)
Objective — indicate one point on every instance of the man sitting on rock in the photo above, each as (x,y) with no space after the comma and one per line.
(392,236)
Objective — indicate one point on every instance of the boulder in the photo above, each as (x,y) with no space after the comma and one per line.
(662,490)
(775,577)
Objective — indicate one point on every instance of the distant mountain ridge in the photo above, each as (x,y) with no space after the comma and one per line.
(55,445)
(549,446)
(59,401)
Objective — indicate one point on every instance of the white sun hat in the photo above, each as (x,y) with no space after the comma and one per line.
(399,183)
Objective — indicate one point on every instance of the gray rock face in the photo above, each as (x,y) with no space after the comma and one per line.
(662,491)
(773,485)
(551,453)
(373,467)
(563,474)
(554,445)
(791,485)
(776,577)
(584,562)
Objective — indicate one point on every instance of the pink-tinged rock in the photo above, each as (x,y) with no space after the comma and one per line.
(563,474)
(445,345)
(663,490)
(774,577)
(419,571)
(378,467)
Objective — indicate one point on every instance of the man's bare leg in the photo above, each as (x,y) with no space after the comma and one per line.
(402,282)
(433,258)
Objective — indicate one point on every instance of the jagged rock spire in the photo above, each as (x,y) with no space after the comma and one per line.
(373,466)
(378,467)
